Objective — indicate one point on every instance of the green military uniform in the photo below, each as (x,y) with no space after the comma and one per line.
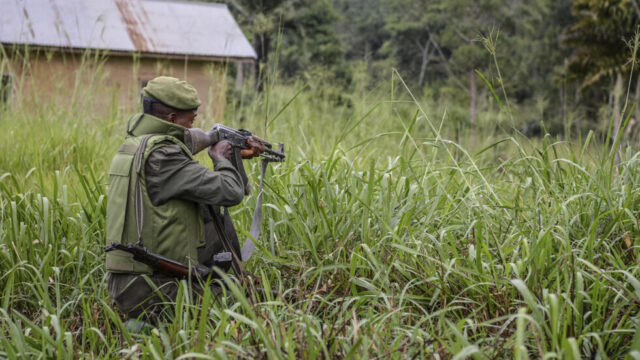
(180,198)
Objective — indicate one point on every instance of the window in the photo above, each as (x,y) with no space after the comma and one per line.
(5,88)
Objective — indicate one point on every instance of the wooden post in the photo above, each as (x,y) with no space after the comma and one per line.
(239,75)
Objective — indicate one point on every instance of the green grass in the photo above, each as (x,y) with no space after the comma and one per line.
(392,238)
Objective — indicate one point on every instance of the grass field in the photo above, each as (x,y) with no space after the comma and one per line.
(393,235)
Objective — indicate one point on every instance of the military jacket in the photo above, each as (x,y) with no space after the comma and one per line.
(174,188)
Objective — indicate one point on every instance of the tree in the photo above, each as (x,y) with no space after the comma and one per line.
(310,43)
(598,42)
(444,36)
(362,28)
(309,36)
(260,20)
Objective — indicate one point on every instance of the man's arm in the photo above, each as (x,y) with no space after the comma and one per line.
(170,173)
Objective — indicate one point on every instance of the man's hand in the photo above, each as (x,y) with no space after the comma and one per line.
(256,147)
(222,149)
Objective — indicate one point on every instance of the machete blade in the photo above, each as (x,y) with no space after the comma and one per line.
(247,249)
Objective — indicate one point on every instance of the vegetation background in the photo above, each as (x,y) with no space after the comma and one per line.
(462,181)
(564,64)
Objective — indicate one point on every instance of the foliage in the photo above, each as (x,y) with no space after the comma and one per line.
(599,39)
(310,41)
(392,231)
(549,51)
(390,239)
(300,32)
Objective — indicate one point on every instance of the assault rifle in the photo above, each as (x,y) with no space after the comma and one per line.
(160,263)
(174,268)
(197,140)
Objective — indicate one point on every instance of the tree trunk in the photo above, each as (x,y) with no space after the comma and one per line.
(256,65)
(637,100)
(472,102)
(367,52)
(262,49)
(426,51)
(617,116)
(636,8)
(617,96)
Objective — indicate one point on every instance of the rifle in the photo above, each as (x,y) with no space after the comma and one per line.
(197,140)
(160,263)
(174,268)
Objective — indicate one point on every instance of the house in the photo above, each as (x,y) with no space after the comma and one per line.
(56,50)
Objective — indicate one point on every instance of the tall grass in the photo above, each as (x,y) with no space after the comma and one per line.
(389,238)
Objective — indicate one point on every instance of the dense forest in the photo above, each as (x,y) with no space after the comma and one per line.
(569,63)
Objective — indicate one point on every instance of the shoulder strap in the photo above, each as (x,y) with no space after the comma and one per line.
(229,238)
(236,161)
(139,201)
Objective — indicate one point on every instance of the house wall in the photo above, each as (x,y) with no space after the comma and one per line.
(103,81)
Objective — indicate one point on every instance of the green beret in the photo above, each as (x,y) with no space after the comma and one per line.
(172,92)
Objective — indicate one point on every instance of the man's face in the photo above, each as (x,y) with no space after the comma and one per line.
(185,118)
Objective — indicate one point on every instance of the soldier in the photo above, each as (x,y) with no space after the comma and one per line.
(159,195)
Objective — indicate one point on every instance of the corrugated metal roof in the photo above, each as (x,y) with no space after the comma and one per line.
(147,26)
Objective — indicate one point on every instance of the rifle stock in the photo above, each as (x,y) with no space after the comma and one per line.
(171,267)
(160,263)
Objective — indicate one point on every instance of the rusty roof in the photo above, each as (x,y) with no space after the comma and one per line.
(151,27)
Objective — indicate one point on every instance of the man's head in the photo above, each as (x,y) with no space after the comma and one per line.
(172,100)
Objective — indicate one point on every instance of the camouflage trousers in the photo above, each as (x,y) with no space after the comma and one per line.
(148,296)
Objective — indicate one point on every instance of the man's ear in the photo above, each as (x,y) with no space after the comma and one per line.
(171,117)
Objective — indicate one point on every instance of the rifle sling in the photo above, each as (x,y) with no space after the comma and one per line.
(236,161)
(229,239)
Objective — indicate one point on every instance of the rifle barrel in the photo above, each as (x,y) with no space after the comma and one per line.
(270,151)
